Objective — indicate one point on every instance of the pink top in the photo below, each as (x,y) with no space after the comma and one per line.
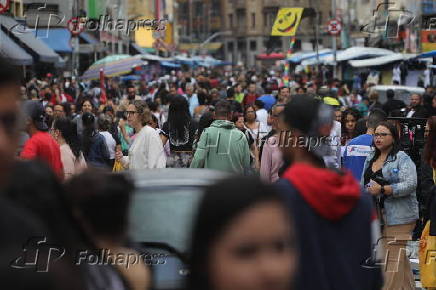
(72,165)
(272,160)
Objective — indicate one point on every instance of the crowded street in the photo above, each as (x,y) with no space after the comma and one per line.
(217,145)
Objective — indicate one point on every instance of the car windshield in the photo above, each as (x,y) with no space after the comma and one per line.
(164,214)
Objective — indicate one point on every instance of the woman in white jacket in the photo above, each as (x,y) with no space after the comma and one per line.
(146,150)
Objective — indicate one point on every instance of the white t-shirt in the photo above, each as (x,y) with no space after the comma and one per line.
(146,151)
(110,143)
(262,116)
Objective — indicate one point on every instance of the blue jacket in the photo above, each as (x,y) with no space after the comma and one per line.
(400,172)
(356,152)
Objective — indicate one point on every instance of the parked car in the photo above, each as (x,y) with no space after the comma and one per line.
(401,92)
(162,210)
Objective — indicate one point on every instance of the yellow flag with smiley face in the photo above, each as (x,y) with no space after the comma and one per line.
(287,22)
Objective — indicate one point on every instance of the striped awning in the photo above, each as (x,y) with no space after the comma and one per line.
(113,66)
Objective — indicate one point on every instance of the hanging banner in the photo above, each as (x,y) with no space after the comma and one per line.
(287,22)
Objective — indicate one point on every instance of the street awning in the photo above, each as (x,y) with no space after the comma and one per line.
(427,54)
(58,39)
(357,52)
(13,52)
(382,60)
(28,39)
(300,56)
(170,64)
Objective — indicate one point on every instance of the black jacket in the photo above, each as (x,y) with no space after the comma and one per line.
(420,112)
(392,105)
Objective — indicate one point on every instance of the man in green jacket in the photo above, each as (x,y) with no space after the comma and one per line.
(222,146)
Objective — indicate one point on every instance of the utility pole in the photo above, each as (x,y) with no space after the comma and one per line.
(334,39)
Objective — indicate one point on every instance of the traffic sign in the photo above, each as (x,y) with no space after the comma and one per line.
(76,26)
(4,5)
(334,27)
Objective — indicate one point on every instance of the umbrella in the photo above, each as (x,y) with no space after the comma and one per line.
(113,65)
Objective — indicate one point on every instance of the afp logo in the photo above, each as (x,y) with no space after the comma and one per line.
(38,255)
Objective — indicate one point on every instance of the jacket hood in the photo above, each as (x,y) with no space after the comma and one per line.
(223,124)
(329,193)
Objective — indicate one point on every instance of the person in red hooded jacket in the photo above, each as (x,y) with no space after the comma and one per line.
(333,217)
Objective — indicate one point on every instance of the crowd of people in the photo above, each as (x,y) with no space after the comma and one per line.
(331,165)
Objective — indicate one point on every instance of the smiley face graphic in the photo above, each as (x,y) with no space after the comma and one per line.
(287,22)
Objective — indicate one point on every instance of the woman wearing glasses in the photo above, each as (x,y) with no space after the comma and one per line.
(390,176)
(146,150)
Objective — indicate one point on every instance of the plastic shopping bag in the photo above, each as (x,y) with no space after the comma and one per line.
(117,166)
(427,258)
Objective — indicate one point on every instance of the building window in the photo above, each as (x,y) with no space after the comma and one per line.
(253,45)
(253,20)
(231,20)
(241,19)
(230,46)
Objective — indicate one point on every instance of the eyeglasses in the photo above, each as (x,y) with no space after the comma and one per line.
(381,135)
(128,113)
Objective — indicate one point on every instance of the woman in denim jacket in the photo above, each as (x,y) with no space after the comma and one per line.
(390,176)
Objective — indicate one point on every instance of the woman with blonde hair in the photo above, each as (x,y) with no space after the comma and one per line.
(146,150)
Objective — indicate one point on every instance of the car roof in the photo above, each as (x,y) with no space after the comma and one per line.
(176,177)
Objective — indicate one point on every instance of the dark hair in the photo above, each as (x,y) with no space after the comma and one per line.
(350,111)
(230,93)
(221,205)
(202,98)
(41,193)
(222,108)
(396,146)
(430,144)
(88,120)
(205,121)
(154,119)
(375,117)
(300,112)
(85,99)
(152,106)
(259,104)
(390,94)
(103,123)
(236,116)
(67,109)
(102,199)
(68,130)
(9,74)
(179,118)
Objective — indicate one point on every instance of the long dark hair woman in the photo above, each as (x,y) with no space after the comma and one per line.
(93,143)
(180,131)
(390,176)
(65,133)
(349,121)
(242,239)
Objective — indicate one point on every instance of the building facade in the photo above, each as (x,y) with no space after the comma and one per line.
(251,21)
